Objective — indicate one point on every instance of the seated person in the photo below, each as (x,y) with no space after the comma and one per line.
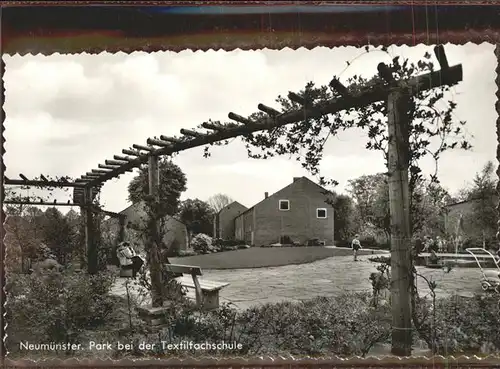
(130,262)
(434,259)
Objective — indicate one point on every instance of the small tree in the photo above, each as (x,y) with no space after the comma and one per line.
(58,234)
(371,194)
(197,215)
(219,201)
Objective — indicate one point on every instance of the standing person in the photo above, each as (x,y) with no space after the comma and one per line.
(356,245)
(418,245)
(439,244)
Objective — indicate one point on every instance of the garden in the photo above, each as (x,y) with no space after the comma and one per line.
(64,306)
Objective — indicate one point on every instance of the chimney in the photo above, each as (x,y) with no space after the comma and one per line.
(266,194)
(295,179)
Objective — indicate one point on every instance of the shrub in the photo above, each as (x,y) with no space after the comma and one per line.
(467,325)
(368,242)
(201,243)
(286,240)
(58,307)
(315,242)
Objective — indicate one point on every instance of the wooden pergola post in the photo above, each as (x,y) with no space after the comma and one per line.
(91,245)
(399,204)
(153,234)
(121,231)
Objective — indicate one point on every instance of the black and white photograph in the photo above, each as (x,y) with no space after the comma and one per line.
(324,202)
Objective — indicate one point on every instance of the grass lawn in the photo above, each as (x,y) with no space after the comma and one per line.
(260,257)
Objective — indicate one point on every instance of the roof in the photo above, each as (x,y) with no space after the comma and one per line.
(289,185)
(137,203)
(234,202)
(464,202)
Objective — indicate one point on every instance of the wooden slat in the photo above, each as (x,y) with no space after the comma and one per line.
(206,285)
(184,269)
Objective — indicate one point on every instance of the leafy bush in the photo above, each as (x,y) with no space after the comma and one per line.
(57,307)
(286,240)
(202,243)
(468,325)
(315,242)
(345,325)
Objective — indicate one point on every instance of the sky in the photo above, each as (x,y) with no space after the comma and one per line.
(68,113)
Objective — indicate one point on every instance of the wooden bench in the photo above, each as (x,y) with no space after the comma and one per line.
(206,292)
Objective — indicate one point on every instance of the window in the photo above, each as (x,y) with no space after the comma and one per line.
(284,205)
(321,213)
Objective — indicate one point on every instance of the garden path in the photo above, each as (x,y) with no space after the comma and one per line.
(328,277)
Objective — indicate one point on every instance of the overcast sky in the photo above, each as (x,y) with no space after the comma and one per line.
(67,114)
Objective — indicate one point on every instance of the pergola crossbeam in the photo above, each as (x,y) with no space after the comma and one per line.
(156,142)
(239,118)
(132,152)
(296,98)
(36,183)
(142,147)
(450,75)
(170,139)
(104,166)
(269,111)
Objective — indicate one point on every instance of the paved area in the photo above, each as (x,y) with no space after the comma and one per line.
(327,277)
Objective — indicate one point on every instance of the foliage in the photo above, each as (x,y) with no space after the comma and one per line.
(219,201)
(371,194)
(197,215)
(202,243)
(58,234)
(57,307)
(427,205)
(172,184)
(482,221)
(343,215)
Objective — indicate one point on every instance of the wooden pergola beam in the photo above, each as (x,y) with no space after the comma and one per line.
(112,167)
(190,133)
(132,152)
(19,182)
(142,147)
(161,143)
(40,203)
(239,118)
(450,76)
(213,126)
(339,87)
(170,139)
(269,111)
(296,98)
(116,162)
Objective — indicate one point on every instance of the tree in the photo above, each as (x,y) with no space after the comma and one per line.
(197,215)
(219,201)
(371,195)
(343,217)
(157,208)
(428,208)
(58,234)
(483,218)
(172,184)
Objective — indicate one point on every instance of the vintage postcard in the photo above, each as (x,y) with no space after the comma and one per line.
(336,202)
